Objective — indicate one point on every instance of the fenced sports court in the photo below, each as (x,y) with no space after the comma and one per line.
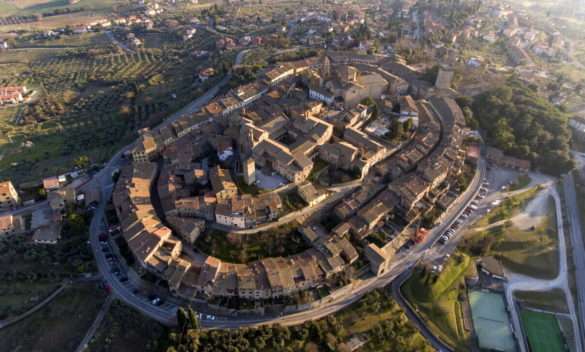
(543,332)
(491,321)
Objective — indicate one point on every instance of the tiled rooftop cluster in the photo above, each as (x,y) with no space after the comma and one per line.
(276,123)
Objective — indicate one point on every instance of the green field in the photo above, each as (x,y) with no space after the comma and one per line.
(544,334)
(16,297)
(553,301)
(437,300)
(530,251)
(534,251)
(125,329)
(90,98)
(238,248)
(57,327)
(29,7)
(491,321)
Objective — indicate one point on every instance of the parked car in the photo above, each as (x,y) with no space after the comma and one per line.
(157,301)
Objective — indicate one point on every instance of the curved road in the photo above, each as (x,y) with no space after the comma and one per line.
(104,182)
(519,282)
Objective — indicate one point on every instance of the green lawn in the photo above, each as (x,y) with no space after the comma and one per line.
(544,334)
(246,188)
(28,7)
(238,248)
(59,326)
(7,9)
(319,167)
(125,329)
(532,251)
(553,300)
(16,297)
(436,300)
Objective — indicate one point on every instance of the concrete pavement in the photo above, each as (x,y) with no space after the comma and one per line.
(578,247)
(26,209)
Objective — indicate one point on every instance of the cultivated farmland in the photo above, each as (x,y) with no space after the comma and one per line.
(92,99)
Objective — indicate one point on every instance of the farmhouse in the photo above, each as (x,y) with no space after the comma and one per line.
(12,94)
(8,195)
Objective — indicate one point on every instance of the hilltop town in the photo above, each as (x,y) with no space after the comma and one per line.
(279,127)
(304,175)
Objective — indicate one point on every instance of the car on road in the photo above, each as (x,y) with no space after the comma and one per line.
(157,301)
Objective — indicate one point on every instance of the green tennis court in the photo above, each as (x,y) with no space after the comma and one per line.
(491,322)
(543,331)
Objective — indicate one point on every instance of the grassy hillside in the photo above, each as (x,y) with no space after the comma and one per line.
(437,299)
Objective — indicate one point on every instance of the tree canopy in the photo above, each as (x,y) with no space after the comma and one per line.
(516,119)
(389,329)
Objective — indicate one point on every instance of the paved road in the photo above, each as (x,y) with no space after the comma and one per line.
(578,246)
(95,325)
(26,209)
(517,282)
(103,180)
